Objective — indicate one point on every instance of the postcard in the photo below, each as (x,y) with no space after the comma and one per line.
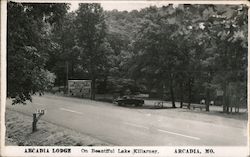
(124,78)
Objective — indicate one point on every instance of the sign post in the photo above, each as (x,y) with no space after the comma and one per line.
(36,116)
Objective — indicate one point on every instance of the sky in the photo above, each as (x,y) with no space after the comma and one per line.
(123,6)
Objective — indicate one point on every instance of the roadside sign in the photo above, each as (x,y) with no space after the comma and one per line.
(219,92)
(79,88)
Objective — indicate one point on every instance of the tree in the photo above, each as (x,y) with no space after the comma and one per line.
(155,45)
(28,44)
(91,39)
(65,54)
(121,31)
(192,46)
(225,54)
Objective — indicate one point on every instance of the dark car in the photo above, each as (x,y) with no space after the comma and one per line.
(128,100)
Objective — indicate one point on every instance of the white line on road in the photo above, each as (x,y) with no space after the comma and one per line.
(141,126)
(136,125)
(164,131)
(169,132)
(70,110)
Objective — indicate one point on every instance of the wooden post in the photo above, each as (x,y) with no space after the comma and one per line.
(36,117)
(34,128)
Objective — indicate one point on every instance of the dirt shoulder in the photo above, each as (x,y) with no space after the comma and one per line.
(19,132)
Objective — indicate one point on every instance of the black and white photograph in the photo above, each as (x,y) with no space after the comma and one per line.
(131,73)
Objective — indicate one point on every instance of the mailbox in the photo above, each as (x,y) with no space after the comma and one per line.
(41,111)
(36,116)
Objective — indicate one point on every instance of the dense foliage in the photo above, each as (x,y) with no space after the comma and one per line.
(28,45)
(179,53)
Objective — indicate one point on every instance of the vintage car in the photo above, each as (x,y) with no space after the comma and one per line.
(128,100)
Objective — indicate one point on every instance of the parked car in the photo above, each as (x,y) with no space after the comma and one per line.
(128,100)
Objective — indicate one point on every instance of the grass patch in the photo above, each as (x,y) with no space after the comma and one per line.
(19,132)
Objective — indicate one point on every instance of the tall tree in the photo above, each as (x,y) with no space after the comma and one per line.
(225,53)
(157,48)
(65,55)
(91,39)
(28,44)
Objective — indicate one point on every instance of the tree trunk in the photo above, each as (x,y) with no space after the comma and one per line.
(224,99)
(189,92)
(67,77)
(72,69)
(207,99)
(181,94)
(172,91)
(93,89)
(105,83)
(160,91)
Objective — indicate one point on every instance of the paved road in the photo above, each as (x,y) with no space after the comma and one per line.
(137,127)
